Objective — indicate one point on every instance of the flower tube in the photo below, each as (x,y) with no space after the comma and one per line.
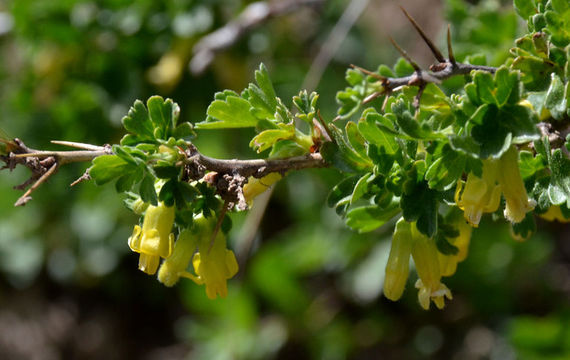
(154,240)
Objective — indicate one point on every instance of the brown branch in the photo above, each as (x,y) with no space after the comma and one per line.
(257,168)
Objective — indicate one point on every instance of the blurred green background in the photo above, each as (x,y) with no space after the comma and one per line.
(308,288)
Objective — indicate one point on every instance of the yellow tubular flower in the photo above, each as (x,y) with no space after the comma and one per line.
(397,268)
(256,187)
(517,202)
(154,240)
(214,264)
(481,195)
(554,213)
(175,266)
(425,255)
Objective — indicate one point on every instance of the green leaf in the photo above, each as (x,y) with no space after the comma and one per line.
(403,68)
(559,23)
(341,194)
(166,171)
(489,132)
(163,115)
(266,139)
(108,167)
(410,126)
(525,8)
(443,173)
(360,188)
(137,122)
(341,155)
(529,164)
(286,148)
(535,71)
(555,100)
(368,218)
(167,193)
(355,139)
(184,131)
(306,105)
(233,112)
(147,190)
(559,188)
(380,136)
(419,203)
(262,98)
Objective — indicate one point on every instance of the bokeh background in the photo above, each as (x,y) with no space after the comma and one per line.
(308,287)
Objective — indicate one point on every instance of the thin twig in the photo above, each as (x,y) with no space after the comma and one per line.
(26,197)
(65,157)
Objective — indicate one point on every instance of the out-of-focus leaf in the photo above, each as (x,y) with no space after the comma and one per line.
(368,218)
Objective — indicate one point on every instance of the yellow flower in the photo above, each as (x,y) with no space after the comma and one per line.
(481,195)
(175,266)
(448,263)
(425,255)
(397,268)
(554,213)
(255,187)
(214,264)
(407,240)
(517,202)
(154,240)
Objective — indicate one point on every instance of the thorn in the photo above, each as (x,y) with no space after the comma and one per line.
(434,50)
(405,55)
(78,145)
(374,75)
(385,103)
(449,48)
(371,97)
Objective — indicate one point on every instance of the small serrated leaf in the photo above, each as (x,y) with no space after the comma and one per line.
(233,112)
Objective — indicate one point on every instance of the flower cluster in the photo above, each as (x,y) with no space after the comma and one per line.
(430,264)
(213,263)
(483,194)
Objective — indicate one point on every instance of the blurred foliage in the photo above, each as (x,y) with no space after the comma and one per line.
(310,288)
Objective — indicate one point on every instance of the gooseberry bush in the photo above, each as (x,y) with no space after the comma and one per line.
(434,157)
